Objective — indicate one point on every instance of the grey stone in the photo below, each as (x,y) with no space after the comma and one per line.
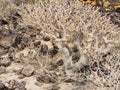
(5,62)
(7,41)
(3,87)
(28,70)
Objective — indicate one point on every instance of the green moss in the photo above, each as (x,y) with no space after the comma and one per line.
(32,1)
(118,46)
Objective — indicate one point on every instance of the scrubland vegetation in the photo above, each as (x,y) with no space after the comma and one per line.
(58,45)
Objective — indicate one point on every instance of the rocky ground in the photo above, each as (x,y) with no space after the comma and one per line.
(31,59)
